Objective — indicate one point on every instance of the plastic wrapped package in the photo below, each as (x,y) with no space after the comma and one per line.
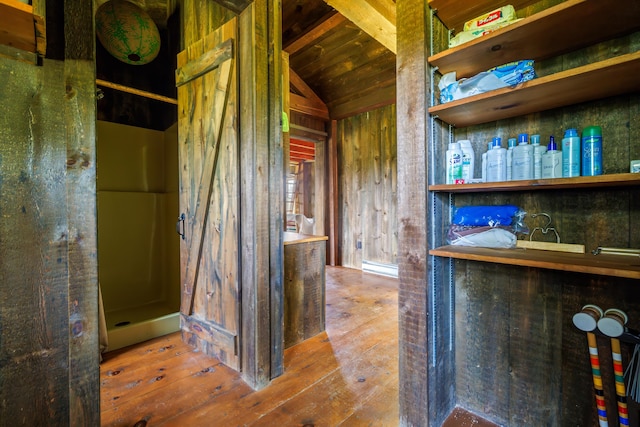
(486,237)
(487,226)
(498,16)
(509,74)
(467,36)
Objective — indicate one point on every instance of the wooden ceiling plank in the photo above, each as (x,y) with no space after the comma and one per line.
(383,96)
(306,106)
(303,87)
(315,33)
(365,16)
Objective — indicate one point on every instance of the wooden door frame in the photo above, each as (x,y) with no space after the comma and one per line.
(261,192)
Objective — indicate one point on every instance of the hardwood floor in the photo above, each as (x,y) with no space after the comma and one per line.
(345,376)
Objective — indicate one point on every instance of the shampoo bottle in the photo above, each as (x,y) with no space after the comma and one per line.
(522,162)
(454,163)
(468,160)
(496,162)
(484,163)
(512,143)
(538,151)
(570,153)
(552,161)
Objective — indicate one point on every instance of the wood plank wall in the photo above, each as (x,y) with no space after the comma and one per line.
(519,359)
(260,216)
(49,373)
(367,180)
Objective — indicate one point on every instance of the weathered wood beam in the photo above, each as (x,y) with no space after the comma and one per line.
(235,6)
(333,253)
(307,106)
(311,36)
(365,15)
(304,88)
(309,103)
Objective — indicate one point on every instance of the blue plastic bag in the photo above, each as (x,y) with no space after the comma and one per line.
(493,216)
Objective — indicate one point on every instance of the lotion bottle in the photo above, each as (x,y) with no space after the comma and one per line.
(552,161)
(497,162)
(522,162)
(538,151)
(570,153)
(512,143)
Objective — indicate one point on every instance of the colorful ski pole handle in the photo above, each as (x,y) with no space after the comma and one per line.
(613,324)
(587,320)
(621,392)
(597,380)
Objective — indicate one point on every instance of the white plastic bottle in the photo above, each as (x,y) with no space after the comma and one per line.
(512,143)
(496,162)
(484,163)
(522,159)
(538,151)
(552,161)
(454,163)
(468,160)
(571,153)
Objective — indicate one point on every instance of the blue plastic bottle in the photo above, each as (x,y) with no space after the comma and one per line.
(592,151)
(570,154)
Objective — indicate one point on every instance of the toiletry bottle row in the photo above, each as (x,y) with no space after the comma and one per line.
(525,161)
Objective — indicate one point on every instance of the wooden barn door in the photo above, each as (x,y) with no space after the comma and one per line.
(208,224)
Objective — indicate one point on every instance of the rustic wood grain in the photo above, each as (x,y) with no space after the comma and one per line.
(413,139)
(39,338)
(259,244)
(208,195)
(333,253)
(369,185)
(278,169)
(347,374)
(304,291)
(367,17)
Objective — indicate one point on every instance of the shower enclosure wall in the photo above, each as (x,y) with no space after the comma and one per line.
(138,248)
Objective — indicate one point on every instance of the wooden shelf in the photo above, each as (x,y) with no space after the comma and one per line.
(606,265)
(455,13)
(554,31)
(600,181)
(602,79)
(20,28)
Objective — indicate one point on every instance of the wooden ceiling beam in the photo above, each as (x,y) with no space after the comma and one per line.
(296,81)
(366,15)
(307,106)
(326,25)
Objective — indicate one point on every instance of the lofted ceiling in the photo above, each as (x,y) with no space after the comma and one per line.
(341,50)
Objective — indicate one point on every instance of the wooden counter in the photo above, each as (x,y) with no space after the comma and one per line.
(304,287)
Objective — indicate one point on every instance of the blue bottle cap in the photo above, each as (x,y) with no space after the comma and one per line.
(523,138)
(570,133)
(552,144)
(535,139)
(512,142)
(497,142)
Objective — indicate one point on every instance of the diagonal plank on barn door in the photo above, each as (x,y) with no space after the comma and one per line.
(207,105)
(221,60)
